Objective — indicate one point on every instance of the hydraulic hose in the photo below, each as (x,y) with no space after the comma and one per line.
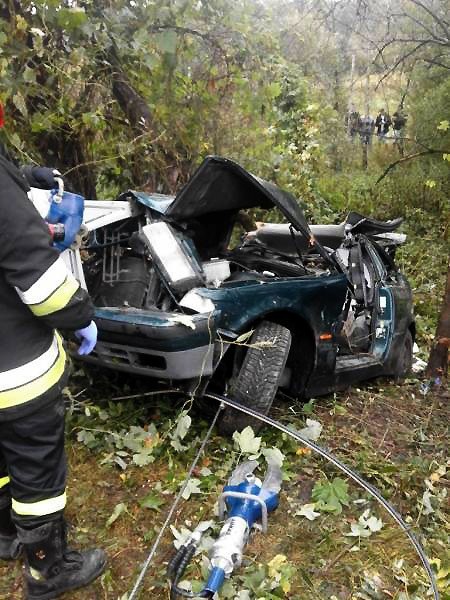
(184,558)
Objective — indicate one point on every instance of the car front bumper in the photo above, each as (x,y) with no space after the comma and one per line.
(155,343)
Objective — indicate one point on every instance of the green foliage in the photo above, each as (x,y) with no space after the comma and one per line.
(210,81)
(330,496)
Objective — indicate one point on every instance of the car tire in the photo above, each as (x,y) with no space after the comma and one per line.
(405,359)
(259,376)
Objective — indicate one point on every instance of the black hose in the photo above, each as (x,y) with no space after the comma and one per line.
(184,558)
(174,562)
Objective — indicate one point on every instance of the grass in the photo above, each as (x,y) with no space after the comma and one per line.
(395,436)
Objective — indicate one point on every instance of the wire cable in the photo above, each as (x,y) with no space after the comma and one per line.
(148,560)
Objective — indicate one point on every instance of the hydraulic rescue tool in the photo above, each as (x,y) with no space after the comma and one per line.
(246,501)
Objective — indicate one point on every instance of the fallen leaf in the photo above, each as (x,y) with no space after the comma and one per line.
(246,441)
(312,430)
(118,510)
(307,511)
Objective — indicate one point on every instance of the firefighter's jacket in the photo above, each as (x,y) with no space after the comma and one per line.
(37,296)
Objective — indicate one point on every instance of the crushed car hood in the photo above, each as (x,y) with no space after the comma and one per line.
(222,186)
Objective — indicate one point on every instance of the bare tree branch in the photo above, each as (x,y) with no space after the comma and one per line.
(435,18)
(398,62)
(432,61)
(407,158)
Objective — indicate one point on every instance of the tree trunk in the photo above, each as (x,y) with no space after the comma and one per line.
(364,155)
(437,367)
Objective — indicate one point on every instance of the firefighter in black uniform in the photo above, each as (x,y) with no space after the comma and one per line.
(38,296)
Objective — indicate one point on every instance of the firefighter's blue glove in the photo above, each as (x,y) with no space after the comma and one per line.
(88,337)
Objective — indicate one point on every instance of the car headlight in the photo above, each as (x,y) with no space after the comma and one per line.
(176,265)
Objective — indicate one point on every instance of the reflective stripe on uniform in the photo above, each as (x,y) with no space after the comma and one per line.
(47,283)
(52,291)
(41,508)
(4,481)
(18,376)
(33,379)
(58,300)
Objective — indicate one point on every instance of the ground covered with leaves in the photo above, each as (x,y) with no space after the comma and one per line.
(328,539)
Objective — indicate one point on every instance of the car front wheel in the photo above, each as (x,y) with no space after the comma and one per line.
(259,376)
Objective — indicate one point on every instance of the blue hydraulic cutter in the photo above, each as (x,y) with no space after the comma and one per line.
(246,501)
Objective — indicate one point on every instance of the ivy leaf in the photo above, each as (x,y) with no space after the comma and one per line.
(183,423)
(426,501)
(152,501)
(167,41)
(312,430)
(330,496)
(86,437)
(273,89)
(71,18)
(307,511)
(19,103)
(273,456)
(246,441)
(118,510)
(143,458)
(358,530)
(181,536)
(29,75)
(365,526)
(192,487)
(178,446)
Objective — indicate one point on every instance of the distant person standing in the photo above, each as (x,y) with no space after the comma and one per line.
(366,128)
(382,124)
(398,125)
(352,122)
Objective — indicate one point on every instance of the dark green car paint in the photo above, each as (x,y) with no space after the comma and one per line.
(154,329)
(317,300)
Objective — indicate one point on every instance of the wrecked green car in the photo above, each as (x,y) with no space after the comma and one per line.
(308,309)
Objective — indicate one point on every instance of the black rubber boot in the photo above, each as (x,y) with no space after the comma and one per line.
(52,568)
(9,544)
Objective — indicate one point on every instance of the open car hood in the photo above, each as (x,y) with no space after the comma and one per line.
(222,186)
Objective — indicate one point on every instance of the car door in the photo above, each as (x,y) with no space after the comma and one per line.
(393,308)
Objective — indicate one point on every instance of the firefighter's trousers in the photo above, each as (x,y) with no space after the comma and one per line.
(33,464)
